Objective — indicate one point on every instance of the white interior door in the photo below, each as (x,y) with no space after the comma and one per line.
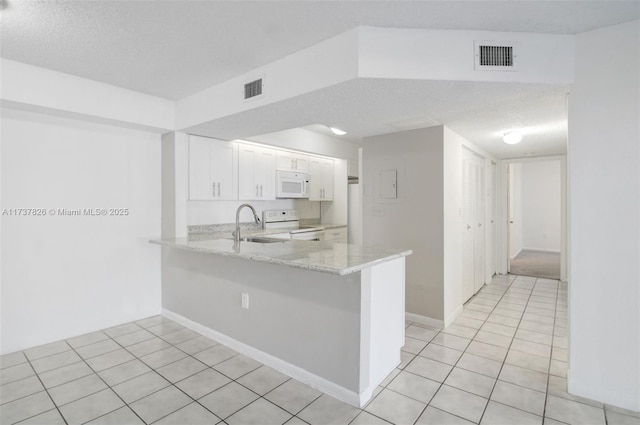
(478,224)
(468,285)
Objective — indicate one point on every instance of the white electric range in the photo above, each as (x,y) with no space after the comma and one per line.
(288,221)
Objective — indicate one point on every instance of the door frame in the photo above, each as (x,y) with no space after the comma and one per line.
(503,213)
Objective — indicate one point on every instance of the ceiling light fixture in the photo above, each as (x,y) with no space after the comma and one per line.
(337,131)
(512,137)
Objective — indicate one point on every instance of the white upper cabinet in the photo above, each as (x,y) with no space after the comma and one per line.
(256,173)
(212,169)
(321,179)
(291,161)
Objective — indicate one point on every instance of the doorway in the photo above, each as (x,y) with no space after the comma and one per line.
(535,211)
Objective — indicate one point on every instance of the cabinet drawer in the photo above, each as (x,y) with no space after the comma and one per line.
(336,235)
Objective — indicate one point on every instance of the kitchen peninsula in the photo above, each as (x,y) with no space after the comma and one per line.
(328,314)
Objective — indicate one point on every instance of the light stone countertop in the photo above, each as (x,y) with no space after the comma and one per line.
(335,258)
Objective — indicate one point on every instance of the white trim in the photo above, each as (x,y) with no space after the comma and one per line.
(582,389)
(516,254)
(453,316)
(556,251)
(315,381)
(424,320)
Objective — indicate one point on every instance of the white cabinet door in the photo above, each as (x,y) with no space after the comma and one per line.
(212,169)
(291,161)
(301,163)
(223,159)
(265,174)
(256,173)
(321,177)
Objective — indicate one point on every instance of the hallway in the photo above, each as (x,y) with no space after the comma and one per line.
(536,264)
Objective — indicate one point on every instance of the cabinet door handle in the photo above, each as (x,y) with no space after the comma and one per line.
(479,224)
(256,190)
(261,191)
(218,189)
(213,189)
(296,162)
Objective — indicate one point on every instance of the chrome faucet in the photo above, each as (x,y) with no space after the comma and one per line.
(236,234)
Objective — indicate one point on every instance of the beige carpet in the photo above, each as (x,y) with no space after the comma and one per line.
(536,264)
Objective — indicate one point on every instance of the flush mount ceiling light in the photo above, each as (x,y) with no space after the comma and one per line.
(337,131)
(512,137)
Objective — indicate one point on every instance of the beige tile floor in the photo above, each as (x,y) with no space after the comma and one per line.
(503,361)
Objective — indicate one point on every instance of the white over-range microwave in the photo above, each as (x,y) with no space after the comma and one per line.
(292,185)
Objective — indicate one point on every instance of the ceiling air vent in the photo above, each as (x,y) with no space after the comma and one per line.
(253,89)
(494,56)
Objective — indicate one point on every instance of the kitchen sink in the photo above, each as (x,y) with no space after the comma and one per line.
(259,239)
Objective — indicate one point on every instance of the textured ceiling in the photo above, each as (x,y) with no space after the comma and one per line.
(481,112)
(173,49)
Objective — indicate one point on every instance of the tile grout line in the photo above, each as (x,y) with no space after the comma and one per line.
(453,367)
(108,387)
(212,368)
(546,393)
(509,348)
(208,367)
(47,391)
(171,384)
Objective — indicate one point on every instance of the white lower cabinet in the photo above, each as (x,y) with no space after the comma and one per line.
(212,169)
(337,235)
(256,173)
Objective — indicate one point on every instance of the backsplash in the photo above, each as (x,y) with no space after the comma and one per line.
(224,212)
(211,231)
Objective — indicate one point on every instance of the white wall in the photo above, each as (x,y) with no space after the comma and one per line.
(43,90)
(67,275)
(604,206)
(391,53)
(452,203)
(322,65)
(515,209)
(426,216)
(541,207)
(415,219)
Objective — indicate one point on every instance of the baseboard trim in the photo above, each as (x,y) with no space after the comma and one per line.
(302,375)
(516,254)
(453,316)
(424,320)
(597,393)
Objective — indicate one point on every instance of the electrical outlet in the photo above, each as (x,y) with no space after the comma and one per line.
(245,300)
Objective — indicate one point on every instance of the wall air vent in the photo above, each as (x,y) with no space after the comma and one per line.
(494,56)
(253,89)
